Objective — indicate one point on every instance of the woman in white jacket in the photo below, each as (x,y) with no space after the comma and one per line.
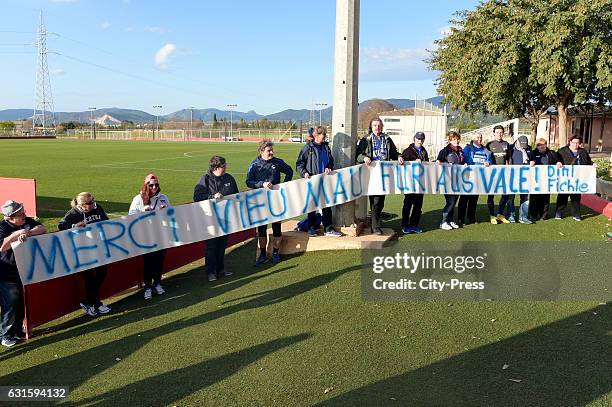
(150,198)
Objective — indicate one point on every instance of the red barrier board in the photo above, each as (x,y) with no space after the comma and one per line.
(51,299)
(20,190)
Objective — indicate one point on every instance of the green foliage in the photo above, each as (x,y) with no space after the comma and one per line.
(518,57)
(7,125)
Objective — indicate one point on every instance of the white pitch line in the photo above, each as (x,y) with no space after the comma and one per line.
(161,169)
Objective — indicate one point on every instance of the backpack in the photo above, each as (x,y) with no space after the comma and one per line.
(304,225)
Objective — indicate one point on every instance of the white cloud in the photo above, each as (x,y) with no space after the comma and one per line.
(444,31)
(156,29)
(162,56)
(105,25)
(394,64)
(57,72)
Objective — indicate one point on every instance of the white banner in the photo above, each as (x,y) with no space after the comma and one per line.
(55,255)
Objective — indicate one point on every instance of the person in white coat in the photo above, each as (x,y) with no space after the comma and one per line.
(150,198)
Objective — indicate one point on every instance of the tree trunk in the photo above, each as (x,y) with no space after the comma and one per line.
(562,125)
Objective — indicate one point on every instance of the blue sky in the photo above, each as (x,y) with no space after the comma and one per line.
(261,55)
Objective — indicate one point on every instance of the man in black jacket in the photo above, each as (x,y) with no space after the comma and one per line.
(377,146)
(16,227)
(572,154)
(413,201)
(215,184)
(316,158)
(539,203)
(502,152)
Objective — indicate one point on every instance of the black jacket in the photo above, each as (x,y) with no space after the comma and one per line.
(75,215)
(501,150)
(411,154)
(567,158)
(210,184)
(549,156)
(308,159)
(261,171)
(447,155)
(365,149)
(8,265)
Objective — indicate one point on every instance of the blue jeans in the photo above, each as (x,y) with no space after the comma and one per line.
(448,212)
(12,312)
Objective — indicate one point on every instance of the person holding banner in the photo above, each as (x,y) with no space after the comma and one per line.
(148,199)
(453,155)
(215,184)
(264,172)
(501,151)
(316,158)
(413,202)
(539,203)
(85,210)
(521,155)
(475,154)
(377,146)
(572,154)
(16,227)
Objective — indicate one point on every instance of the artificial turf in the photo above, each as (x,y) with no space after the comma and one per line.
(298,333)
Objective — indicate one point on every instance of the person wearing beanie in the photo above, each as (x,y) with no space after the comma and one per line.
(15,227)
(521,155)
(475,154)
(85,210)
(148,199)
(413,202)
(215,184)
(451,154)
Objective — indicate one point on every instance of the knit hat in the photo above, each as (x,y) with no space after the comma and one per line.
(11,207)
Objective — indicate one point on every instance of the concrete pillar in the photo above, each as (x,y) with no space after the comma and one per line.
(344,119)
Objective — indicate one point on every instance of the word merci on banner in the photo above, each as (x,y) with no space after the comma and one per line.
(45,257)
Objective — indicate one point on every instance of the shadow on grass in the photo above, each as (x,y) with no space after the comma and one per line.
(566,363)
(80,367)
(174,385)
(182,290)
(431,219)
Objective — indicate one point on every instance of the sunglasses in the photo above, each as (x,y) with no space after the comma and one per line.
(153,185)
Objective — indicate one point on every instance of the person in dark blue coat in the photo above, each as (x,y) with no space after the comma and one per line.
(475,154)
(316,158)
(215,184)
(521,155)
(264,172)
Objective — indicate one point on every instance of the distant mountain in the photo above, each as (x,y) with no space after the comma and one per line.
(138,116)
(16,114)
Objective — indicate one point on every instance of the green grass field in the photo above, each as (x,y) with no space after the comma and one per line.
(298,333)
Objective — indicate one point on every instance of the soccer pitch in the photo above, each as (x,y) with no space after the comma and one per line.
(297,333)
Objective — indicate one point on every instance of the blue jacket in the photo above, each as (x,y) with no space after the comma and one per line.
(308,159)
(261,171)
(477,155)
(516,158)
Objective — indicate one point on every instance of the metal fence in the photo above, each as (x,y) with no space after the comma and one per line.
(188,135)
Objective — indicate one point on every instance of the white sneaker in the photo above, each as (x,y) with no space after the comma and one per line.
(454,225)
(446,226)
(147,294)
(89,309)
(159,290)
(103,309)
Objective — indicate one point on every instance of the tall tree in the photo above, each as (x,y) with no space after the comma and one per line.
(518,57)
